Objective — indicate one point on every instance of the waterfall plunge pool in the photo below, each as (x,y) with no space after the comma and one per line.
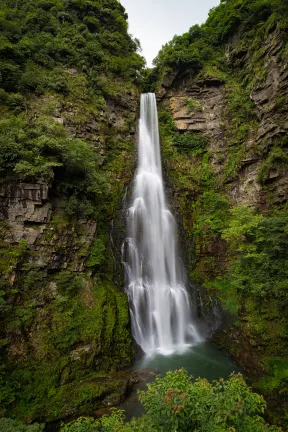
(203,360)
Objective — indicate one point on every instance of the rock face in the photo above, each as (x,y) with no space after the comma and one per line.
(63,316)
(206,117)
(25,205)
(241,161)
(210,118)
(28,211)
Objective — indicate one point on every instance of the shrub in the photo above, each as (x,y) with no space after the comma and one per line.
(97,253)
(194,144)
(260,265)
(277,160)
(193,105)
(180,403)
(8,425)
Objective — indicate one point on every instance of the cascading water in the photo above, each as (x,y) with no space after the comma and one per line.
(159,303)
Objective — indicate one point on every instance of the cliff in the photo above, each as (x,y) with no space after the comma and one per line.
(69,89)
(222,89)
(68,75)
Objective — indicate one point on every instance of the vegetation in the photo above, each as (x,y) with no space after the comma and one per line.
(275,163)
(66,67)
(204,44)
(69,73)
(236,247)
(99,333)
(193,144)
(9,425)
(91,36)
(180,403)
(41,44)
(44,149)
(259,269)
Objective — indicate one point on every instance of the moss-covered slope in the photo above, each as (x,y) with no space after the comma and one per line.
(222,89)
(68,101)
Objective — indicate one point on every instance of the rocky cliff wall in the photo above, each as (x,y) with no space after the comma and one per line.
(65,324)
(68,99)
(224,141)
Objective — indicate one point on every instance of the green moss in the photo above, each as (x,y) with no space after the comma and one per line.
(92,322)
(192,144)
(276,162)
(11,255)
(193,105)
(9,425)
(277,375)
(97,253)
(82,397)
(226,294)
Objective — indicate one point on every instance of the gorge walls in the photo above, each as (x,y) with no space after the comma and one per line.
(69,103)
(70,79)
(224,139)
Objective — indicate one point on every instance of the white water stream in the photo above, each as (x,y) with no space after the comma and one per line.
(159,303)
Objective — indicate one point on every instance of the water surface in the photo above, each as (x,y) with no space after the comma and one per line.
(204,360)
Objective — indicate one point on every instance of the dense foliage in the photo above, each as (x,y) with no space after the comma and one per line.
(236,225)
(45,150)
(41,43)
(260,268)
(9,425)
(204,44)
(66,68)
(180,403)
(40,35)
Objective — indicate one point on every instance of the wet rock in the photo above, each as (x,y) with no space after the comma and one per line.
(82,353)
(113,400)
(26,208)
(102,411)
(59,120)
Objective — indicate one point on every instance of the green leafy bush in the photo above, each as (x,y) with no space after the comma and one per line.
(211,212)
(203,44)
(190,143)
(180,403)
(193,105)
(8,425)
(97,253)
(276,161)
(44,149)
(260,267)
(38,36)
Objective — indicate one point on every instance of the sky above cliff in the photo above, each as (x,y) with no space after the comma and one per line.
(155,22)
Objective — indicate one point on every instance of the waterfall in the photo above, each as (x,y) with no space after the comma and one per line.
(159,303)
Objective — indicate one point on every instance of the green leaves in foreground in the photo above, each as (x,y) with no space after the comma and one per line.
(178,402)
(9,425)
